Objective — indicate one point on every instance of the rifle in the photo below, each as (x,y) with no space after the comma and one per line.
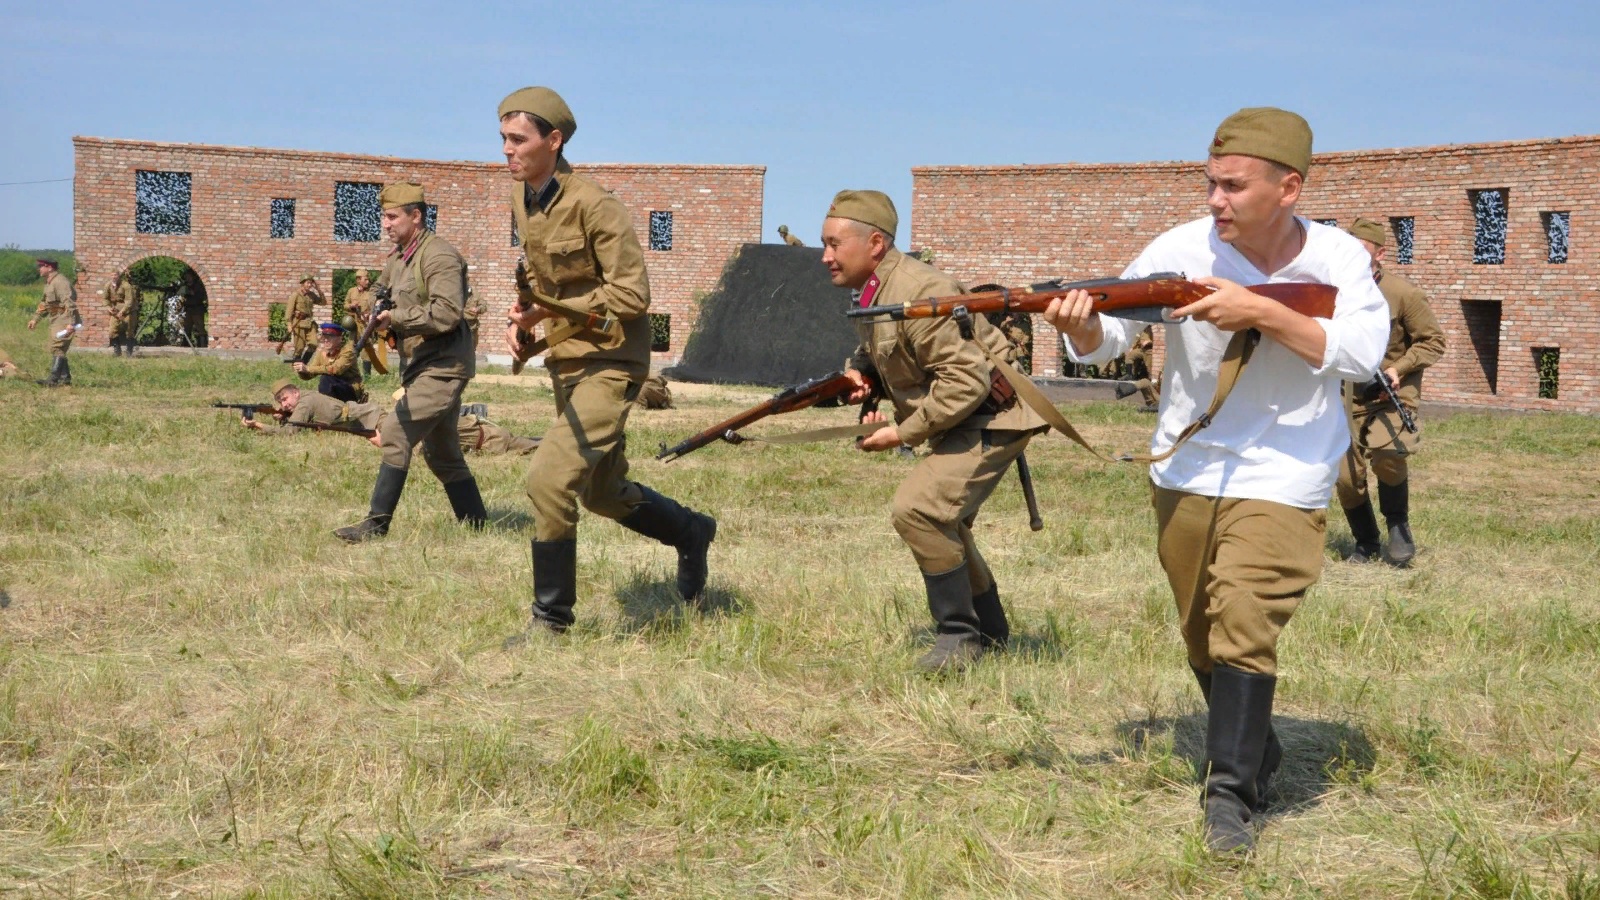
(800,396)
(249,410)
(383,301)
(1406,419)
(1142,299)
(571,321)
(303,359)
(356,430)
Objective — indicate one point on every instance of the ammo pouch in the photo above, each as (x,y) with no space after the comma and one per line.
(1002,396)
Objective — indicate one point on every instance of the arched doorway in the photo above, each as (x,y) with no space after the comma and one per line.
(172,303)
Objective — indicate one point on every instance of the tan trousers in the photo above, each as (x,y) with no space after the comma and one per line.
(1378,439)
(125,328)
(936,504)
(1238,570)
(304,335)
(427,416)
(583,456)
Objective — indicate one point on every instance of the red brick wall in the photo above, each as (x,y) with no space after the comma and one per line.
(1016,224)
(715,210)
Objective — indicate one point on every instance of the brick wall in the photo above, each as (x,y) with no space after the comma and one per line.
(1016,224)
(715,210)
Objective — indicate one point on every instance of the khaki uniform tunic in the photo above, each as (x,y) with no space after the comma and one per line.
(340,365)
(320,409)
(60,306)
(580,247)
(358,304)
(301,319)
(1377,436)
(436,359)
(122,300)
(939,384)
(474,310)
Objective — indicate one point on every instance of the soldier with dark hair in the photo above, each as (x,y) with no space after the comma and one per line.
(580,248)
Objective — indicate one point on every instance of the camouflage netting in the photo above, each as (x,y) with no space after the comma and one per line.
(774,319)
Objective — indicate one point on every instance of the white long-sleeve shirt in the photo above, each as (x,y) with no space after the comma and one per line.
(1281,432)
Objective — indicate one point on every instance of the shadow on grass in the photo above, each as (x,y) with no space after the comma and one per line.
(652,605)
(1317,754)
(513,520)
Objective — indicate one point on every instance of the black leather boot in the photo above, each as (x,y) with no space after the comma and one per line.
(666,520)
(385,497)
(1236,739)
(959,642)
(992,624)
(466,502)
(1364,530)
(555,584)
(1394,500)
(1271,758)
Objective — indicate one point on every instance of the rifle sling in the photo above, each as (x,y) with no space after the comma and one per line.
(1233,363)
(817,434)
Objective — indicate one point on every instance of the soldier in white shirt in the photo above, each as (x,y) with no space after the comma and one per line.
(1241,506)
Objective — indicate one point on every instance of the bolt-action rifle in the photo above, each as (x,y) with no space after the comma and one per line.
(790,399)
(1141,299)
(356,430)
(250,410)
(1382,383)
(566,321)
(383,301)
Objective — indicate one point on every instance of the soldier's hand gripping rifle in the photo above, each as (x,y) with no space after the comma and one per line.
(1383,383)
(563,322)
(1142,299)
(383,301)
(800,396)
(248,411)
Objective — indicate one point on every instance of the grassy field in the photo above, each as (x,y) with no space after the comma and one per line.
(202,693)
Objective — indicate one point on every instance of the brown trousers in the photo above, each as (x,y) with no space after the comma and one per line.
(934,506)
(1238,570)
(1379,440)
(426,416)
(583,456)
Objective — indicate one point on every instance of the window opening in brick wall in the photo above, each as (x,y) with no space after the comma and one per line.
(1331,223)
(161,202)
(1556,228)
(355,211)
(1489,211)
(1547,362)
(1404,228)
(1482,318)
(282,218)
(430,217)
(660,230)
(660,332)
(277,325)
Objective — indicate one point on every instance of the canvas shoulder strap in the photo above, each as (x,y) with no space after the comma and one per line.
(1234,359)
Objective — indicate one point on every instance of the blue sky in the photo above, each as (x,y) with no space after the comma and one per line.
(827,95)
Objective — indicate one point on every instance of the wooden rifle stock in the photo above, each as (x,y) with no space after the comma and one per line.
(342,429)
(1135,298)
(801,396)
(383,301)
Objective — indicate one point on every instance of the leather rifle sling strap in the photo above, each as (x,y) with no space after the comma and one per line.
(1234,359)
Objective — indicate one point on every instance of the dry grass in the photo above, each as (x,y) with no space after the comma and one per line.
(203,694)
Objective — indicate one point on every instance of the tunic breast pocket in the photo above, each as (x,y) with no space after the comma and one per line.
(570,260)
(896,366)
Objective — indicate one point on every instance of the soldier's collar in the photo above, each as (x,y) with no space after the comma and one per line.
(888,264)
(546,194)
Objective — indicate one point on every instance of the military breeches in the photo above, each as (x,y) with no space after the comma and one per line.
(426,417)
(584,454)
(935,505)
(1377,439)
(303,333)
(1238,570)
(124,329)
